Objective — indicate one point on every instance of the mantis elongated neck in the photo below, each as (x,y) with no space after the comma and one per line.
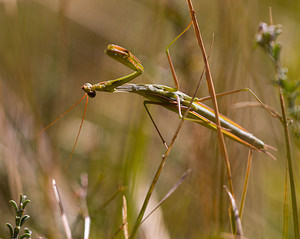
(111,85)
(108,86)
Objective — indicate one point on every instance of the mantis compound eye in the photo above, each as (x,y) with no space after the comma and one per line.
(87,87)
(92,93)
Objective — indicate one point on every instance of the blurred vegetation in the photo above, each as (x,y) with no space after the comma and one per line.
(48,49)
(20,219)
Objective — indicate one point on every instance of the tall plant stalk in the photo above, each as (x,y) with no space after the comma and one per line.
(266,38)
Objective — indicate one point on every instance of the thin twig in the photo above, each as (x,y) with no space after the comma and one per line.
(290,165)
(124,216)
(246,183)
(109,200)
(171,191)
(212,93)
(162,163)
(63,215)
(237,219)
(84,208)
(285,205)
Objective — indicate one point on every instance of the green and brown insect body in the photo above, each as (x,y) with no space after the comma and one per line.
(202,114)
(170,98)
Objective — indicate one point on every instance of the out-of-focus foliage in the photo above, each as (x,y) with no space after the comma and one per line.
(266,38)
(48,49)
(20,219)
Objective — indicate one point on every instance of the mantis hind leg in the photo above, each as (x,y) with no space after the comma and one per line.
(271,111)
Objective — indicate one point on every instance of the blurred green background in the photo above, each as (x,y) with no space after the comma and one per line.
(48,49)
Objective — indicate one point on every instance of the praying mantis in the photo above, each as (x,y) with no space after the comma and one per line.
(172,99)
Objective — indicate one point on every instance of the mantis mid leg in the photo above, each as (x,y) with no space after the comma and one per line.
(157,130)
(204,121)
(173,70)
(169,57)
(171,64)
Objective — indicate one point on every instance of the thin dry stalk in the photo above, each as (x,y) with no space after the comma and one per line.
(212,93)
(84,208)
(246,183)
(165,156)
(237,219)
(290,165)
(171,191)
(62,212)
(124,216)
(285,205)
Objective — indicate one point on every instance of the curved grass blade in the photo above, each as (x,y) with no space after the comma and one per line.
(238,223)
